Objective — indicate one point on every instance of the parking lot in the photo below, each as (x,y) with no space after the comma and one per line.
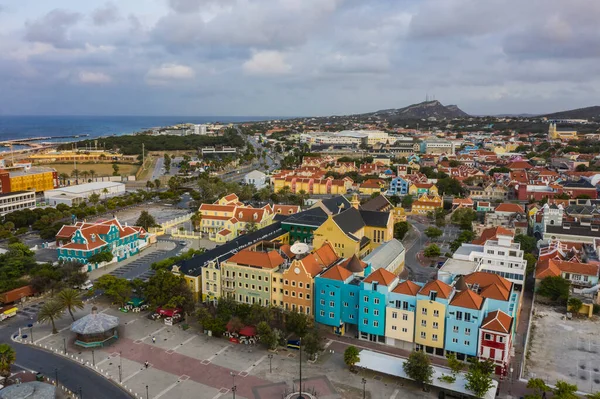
(562,349)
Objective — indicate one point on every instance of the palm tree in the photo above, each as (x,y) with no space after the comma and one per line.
(7,357)
(70,299)
(92,173)
(50,311)
(63,176)
(85,174)
(149,185)
(105,192)
(75,174)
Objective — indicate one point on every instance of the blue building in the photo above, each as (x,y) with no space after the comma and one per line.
(399,186)
(336,298)
(464,316)
(373,300)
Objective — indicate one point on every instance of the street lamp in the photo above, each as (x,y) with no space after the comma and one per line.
(31,332)
(270,356)
(80,393)
(364,382)
(56,376)
(120,375)
(300,360)
(233,388)
(93,359)
(64,346)
(146,391)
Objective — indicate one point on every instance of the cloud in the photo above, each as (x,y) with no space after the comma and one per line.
(192,6)
(93,77)
(53,28)
(169,73)
(266,63)
(105,15)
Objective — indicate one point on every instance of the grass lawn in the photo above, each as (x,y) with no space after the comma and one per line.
(101,169)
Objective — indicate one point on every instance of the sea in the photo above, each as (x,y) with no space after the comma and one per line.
(20,127)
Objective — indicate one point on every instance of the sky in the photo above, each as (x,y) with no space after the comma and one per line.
(296,57)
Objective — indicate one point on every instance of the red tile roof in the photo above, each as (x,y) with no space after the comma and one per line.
(497,321)
(551,267)
(265,260)
(467,299)
(407,288)
(381,276)
(491,233)
(443,290)
(337,273)
(508,207)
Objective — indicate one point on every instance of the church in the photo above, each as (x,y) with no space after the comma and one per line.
(561,134)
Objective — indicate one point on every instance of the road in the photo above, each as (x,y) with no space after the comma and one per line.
(414,242)
(70,374)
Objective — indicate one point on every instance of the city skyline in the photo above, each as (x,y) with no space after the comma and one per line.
(292,58)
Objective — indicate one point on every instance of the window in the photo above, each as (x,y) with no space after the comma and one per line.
(351,317)
(424,311)
(294,294)
(274,279)
(351,294)
(331,315)
(405,317)
(394,328)
(286,293)
(323,292)
(500,339)
(375,324)
(376,312)
(246,285)
(293,283)
(455,329)
(331,293)
(259,278)
(345,304)
(458,315)
(467,343)
(394,315)
(487,337)
(286,282)
(376,301)
(404,305)
(455,340)
(404,329)
(423,335)
(300,285)
(307,286)
(331,303)
(246,275)
(300,295)
(424,323)
(435,325)
(467,331)
(434,337)
(253,287)
(307,310)
(501,253)
(365,322)
(366,310)
(322,313)
(436,313)
(467,316)
(307,296)
(365,298)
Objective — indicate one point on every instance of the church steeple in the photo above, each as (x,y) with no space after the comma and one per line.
(355,201)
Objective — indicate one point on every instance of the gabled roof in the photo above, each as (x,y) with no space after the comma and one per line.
(376,204)
(443,290)
(381,276)
(349,221)
(265,260)
(552,267)
(497,321)
(508,207)
(374,218)
(491,233)
(492,286)
(335,204)
(467,299)
(337,273)
(407,288)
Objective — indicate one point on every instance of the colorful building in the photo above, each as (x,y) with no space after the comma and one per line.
(426,204)
(400,315)
(82,240)
(419,189)
(399,186)
(495,340)
(430,318)
(27,179)
(373,296)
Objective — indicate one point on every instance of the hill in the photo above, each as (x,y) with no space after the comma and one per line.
(579,113)
(424,110)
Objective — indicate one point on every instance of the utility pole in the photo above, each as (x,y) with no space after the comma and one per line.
(300,357)
(143,155)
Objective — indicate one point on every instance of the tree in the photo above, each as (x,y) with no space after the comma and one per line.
(528,244)
(49,312)
(479,377)
(174,183)
(574,304)
(400,230)
(433,232)
(455,365)
(297,323)
(266,335)
(70,299)
(145,220)
(149,185)
(85,174)
(418,367)
(168,290)
(564,390)
(432,251)
(235,324)
(555,287)
(115,168)
(251,226)
(581,168)
(64,177)
(531,260)
(7,357)
(75,173)
(105,192)
(539,387)
(157,184)
(312,343)
(167,162)
(351,356)
(464,217)
(407,201)
(450,186)
(94,198)
(119,290)
(92,173)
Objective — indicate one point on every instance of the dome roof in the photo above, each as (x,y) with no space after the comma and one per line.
(94,323)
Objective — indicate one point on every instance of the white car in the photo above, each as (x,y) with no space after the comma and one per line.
(86,286)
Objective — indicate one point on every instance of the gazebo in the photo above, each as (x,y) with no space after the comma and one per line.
(95,329)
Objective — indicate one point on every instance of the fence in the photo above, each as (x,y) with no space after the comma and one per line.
(159,231)
(183,233)
(527,338)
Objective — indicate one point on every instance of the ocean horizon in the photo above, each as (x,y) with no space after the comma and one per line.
(29,126)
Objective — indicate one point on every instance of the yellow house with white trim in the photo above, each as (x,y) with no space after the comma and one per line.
(430,315)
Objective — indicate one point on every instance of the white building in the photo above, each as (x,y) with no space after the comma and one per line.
(346,137)
(256,178)
(74,195)
(16,201)
(501,256)
(436,145)
(200,129)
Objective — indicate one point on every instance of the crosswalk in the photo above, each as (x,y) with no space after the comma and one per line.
(129,270)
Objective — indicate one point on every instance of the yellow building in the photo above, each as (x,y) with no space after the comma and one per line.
(355,232)
(418,189)
(311,185)
(193,282)
(564,134)
(28,179)
(427,203)
(79,156)
(400,315)
(372,186)
(432,301)
(228,218)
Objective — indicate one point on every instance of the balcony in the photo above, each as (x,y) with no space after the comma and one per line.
(228,278)
(228,288)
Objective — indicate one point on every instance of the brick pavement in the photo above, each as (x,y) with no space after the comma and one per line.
(177,364)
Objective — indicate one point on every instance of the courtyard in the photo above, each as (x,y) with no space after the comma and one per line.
(562,349)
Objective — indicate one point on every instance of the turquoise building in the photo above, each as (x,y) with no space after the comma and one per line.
(374,295)
(336,299)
